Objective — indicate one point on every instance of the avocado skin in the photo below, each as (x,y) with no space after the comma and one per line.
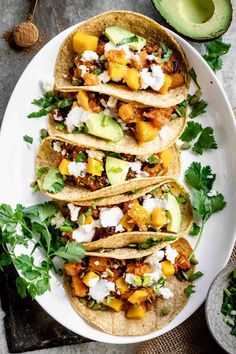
(202,39)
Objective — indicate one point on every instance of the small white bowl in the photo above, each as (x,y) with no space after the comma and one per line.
(215,319)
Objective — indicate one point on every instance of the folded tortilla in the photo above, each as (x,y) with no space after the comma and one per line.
(48,157)
(140,25)
(116,323)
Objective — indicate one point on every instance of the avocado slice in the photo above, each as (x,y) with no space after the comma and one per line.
(119,35)
(104,127)
(116,170)
(174,214)
(196,19)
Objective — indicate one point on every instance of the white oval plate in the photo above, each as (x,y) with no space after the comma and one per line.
(18,164)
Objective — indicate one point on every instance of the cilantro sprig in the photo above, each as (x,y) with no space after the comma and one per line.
(214,51)
(205,203)
(48,102)
(23,225)
(205,141)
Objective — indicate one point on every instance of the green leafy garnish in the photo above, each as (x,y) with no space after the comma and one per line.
(33,224)
(88,212)
(128,40)
(193,75)
(195,276)
(189,290)
(97,71)
(181,199)
(43,134)
(167,52)
(201,179)
(181,108)
(81,157)
(215,49)
(191,131)
(153,160)
(28,139)
(195,229)
(115,169)
(198,108)
(53,181)
(41,171)
(48,102)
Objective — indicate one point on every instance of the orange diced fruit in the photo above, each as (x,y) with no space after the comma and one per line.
(159,217)
(88,220)
(136,312)
(89,276)
(166,85)
(83,41)
(145,131)
(63,167)
(117,71)
(167,268)
(95,167)
(139,214)
(166,157)
(115,304)
(132,79)
(122,285)
(80,289)
(83,100)
(138,296)
(127,222)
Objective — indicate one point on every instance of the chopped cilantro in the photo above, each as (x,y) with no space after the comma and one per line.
(153,160)
(128,40)
(200,178)
(198,108)
(181,199)
(191,131)
(81,157)
(41,171)
(167,52)
(205,141)
(195,276)
(193,75)
(195,229)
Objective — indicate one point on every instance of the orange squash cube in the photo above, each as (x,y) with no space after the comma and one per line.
(167,84)
(83,41)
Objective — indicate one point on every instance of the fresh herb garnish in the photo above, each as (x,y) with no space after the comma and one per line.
(153,160)
(43,134)
(228,307)
(97,71)
(117,155)
(195,276)
(53,181)
(215,49)
(81,157)
(128,40)
(195,229)
(88,212)
(198,108)
(48,102)
(206,140)
(167,52)
(181,199)
(201,179)
(193,75)
(33,224)
(28,139)
(189,290)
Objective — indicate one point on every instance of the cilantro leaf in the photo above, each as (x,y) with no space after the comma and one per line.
(191,131)
(206,140)
(81,157)
(195,229)
(5,260)
(195,276)
(40,113)
(167,52)
(181,108)
(41,171)
(153,160)
(205,205)
(193,75)
(53,181)
(198,108)
(72,252)
(200,178)
(43,211)
(215,49)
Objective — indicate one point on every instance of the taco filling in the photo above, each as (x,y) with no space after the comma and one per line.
(131,286)
(93,169)
(158,211)
(108,118)
(123,57)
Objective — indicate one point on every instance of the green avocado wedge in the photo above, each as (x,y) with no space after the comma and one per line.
(199,20)
(104,127)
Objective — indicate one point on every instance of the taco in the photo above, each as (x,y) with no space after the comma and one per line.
(117,125)
(130,296)
(124,54)
(138,221)
(71,172)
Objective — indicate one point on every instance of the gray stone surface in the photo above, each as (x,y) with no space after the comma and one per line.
(52,17)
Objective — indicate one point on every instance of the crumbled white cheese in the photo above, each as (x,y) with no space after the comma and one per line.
(131,279)
(95,154)
(119,228)
(164,132)
(150,203)
(129,54)
(110,216)
(153,79)
(77,169)
(56,146)
(104,77)
(112,102)
(83,69)
(85,233)
(96,263)
(136,168)
(64,152)
(100,288)
(103,102)
(75,118)
(171,254)
(47,84)
(89,55)
(166,293)
(151,57)
(56,115)
(18,229)
(57,220)
(74,211)
(212,193)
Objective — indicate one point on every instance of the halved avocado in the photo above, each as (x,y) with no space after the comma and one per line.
(196,19)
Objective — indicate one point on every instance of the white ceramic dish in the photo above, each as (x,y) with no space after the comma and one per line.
(17,171)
